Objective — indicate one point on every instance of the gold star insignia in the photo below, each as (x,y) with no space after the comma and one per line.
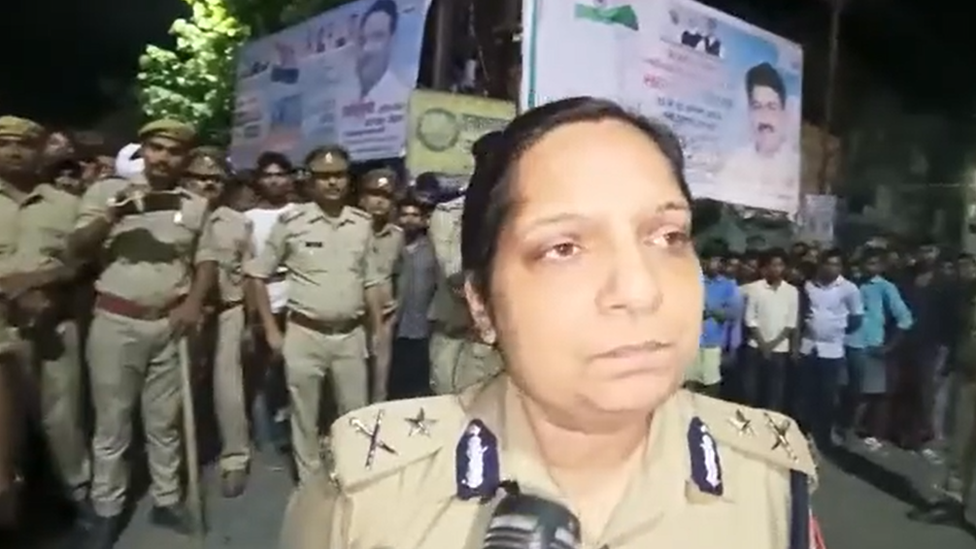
(420,424)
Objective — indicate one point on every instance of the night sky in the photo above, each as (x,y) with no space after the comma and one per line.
(59,54)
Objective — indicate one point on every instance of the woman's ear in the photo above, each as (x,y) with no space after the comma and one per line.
(478,307)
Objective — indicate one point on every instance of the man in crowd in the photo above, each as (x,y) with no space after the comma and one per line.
(867,348)
(36,271)
(334,282)
(416,283)
(376,189)
(721,296)
(158,267)
(274,184)
(833,309)
(772,312)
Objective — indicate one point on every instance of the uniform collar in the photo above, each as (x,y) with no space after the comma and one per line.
(386,230)
(35,194)
(347,215)
(665,470)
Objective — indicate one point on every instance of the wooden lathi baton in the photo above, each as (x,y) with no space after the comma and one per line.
(194,493)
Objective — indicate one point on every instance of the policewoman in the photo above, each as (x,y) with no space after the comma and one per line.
(577,248)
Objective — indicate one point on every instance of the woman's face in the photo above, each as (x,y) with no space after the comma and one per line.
(596,292)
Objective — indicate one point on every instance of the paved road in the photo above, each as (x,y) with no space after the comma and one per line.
(861,503)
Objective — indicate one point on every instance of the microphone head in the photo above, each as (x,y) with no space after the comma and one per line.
(522,521)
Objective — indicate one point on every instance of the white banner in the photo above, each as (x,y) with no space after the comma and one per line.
(729,89)
(817,218)
(343,77)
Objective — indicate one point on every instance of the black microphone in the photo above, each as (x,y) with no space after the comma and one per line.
(522,521)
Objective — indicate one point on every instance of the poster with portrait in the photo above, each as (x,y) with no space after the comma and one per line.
(729,89)
(344,77)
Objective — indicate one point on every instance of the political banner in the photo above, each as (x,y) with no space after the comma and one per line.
(443,126)
(343,77)
(729,89)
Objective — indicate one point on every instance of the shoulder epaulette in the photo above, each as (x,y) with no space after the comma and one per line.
(761,434)
(54,193)
(292,214)
(359,213)
(378,440)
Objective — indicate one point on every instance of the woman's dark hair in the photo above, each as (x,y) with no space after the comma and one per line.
(272,158)
(488,199)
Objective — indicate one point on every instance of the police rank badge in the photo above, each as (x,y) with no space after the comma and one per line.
(706,467)
(476,463)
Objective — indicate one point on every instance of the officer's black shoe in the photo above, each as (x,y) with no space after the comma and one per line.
(947,511)
(173,517)
(98,533)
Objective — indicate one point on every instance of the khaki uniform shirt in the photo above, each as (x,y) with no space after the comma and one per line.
(148,257)
(388,245)
(330,261)
(232,239)
(408,499)
(33,234)
(447,308)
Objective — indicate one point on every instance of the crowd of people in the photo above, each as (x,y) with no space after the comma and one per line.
(116,273)
(870,347)
(272,279)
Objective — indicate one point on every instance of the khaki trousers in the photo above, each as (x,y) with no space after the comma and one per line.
(457,363)
(58,357)
(134,361)
(229,391)
(309,357)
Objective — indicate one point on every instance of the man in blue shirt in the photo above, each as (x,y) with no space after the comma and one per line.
(868,346)
(721,296)
(833,309)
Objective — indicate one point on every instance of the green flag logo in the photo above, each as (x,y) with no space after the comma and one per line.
(608,15)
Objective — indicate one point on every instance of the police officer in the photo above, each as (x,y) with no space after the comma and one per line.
(595,302)
(35,282)
(159,265)
(457,357)
(208,174)
(376,198)
(333,284)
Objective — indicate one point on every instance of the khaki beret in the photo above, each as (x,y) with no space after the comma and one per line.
(165,127)
(14,126)
(379,181)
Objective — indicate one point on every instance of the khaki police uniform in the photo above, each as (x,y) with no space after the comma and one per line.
(388,244)
(148,259)
(397,477)
(330,264)
(33,237)
(232,238)
(457,358)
